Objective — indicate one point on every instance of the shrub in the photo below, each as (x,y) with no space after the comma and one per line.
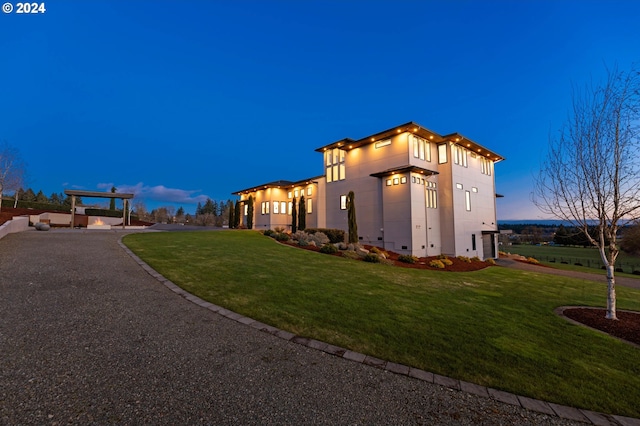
(446,261)
(328,249)
(619,270)
(436,264)
(282,237)
(502,253)
(279,229)
(532,260)
(490,261)
(442,256)
(371,257)
(578,264)
(475,259)
(407,258)
(636,272)
(350,255)
(319,238)
(269,232)
(464,259)
(334,235)
(303,243)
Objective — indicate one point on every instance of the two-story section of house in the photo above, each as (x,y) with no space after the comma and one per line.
(417,192)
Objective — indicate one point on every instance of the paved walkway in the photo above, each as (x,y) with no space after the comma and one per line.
(88,336)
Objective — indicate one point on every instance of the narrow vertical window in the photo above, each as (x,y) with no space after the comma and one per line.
(343,202)
(467,199)
(275,207)
(309,206)
(473,241)
(283,207)
(442,153)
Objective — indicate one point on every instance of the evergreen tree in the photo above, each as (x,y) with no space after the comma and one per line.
(351,213)
(250,212)
(294,216)
(232,216)
(302,215)
(54,199)
(112,202)
(28,195)
(199,209)
(236,215)
(561,236)
(180,211)
(41,198)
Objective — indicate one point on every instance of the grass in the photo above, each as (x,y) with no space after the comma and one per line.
(494,327)
(589,257)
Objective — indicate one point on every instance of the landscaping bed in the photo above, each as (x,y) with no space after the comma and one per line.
(627,327)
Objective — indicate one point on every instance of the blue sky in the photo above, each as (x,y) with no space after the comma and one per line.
(178,101)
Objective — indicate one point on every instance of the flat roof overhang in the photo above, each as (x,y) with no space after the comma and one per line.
(404,169)
(415,128)
(279,184)
(97,194)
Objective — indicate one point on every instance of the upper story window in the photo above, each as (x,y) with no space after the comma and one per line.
(459,155)
(442,153)
(335,164)
(485,166)
(421,148)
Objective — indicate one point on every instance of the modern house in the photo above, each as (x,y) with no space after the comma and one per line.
(416,192)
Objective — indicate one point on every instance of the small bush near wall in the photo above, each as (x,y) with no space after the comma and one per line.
(335,235)
(371,257)
(436,264)
(269,232)
(282,237)
(328,249)
(446,261)
(407,258)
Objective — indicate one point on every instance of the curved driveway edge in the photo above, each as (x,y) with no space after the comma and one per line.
(564,412)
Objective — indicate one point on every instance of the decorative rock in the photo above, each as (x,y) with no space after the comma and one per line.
(362,252)
(42,226)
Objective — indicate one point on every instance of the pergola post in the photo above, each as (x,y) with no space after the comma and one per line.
(73,211)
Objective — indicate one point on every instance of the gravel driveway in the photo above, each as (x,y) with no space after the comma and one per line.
(88,337)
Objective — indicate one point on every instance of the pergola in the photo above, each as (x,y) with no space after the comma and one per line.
(94,194)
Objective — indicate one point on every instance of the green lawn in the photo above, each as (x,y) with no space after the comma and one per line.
(494,327)
(589,257)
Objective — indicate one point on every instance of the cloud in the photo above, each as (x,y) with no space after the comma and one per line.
(159,193)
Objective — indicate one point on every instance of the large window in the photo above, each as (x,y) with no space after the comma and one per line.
(283,207)
(459,155)
(265,207)
(276,210)
(335,164)
(442,153)
(421,148)
(485,166)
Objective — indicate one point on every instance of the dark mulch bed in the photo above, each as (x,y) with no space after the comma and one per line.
(627,327)
(423,262)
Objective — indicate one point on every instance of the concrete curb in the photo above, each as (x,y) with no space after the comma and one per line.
(548,408)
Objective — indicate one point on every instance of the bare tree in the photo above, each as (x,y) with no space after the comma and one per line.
(12,169)
(591,177)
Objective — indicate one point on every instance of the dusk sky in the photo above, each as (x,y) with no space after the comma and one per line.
(180,101)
